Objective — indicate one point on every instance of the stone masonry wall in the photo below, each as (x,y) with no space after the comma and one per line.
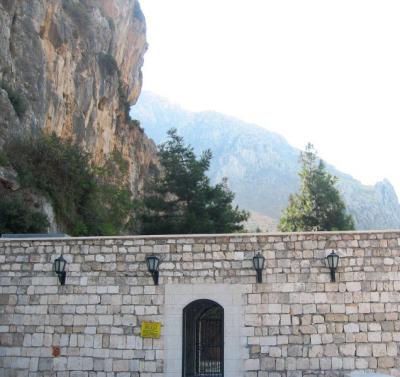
(294,324)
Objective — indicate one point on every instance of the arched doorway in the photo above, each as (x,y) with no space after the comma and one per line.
(203,339)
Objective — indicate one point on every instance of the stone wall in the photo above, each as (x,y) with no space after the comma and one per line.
(295,323)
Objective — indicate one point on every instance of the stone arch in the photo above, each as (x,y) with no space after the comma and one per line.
(203,339)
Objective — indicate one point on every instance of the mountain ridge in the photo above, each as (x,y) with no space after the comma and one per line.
(261,166)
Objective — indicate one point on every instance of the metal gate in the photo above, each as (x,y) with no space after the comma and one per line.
(203,339)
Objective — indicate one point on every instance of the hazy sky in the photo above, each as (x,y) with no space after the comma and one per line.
(326,72)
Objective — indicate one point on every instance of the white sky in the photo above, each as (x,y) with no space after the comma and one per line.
(326,72)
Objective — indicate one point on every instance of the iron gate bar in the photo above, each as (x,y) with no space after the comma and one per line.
(203,339)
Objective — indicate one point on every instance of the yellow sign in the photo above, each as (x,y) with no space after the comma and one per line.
(150,330)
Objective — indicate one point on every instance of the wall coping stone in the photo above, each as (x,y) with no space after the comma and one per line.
(216,235)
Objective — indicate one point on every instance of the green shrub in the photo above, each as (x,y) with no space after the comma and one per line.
(135,123)
(108,210)
(4,159)
(107,64)
(83,200)
(119,160)
(17,217)
(16,98)
(126,105)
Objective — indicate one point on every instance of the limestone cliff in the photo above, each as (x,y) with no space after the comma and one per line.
(73,67)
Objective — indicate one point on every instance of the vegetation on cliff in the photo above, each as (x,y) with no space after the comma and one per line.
(17,217)
(90,200)
(16,98)
(182,199)
(84,200)
(318,206)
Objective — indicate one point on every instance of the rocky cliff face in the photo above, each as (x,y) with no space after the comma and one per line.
(72,67)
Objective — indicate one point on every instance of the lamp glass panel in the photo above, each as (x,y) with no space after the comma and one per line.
(262,260)
(333,260)
(152,263)
(59,264)
(258,262)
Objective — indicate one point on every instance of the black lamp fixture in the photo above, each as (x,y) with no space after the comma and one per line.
(59,268)
(333,262)
(152,265)
(258,264)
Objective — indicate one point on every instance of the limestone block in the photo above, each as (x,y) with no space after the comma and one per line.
(254,298)
(271,319)
(354,286)
(274,308)
(302,363)
(361,363)
(364,350)
(282,339)
(314,364)
(316,351)
(331,350)
(80,363)
(45,364)
(308,329)
(347,349)
(377,308)
(310,245)
(386,362)
(336,318)
(285,320)
(120,365)
(37,340)
(374,336)
(321,298)
(295,350)
(338,308)
(348,363)
(325,363)
(351,327)
(337,363)
(379,350)
(309,309)
(305,298)
(268,341)
(392,349)
(364,307)
(316,339)
(275,352)
(279,246)
(251,364)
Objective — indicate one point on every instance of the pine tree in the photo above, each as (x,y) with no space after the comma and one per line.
(182,200)
(318,206)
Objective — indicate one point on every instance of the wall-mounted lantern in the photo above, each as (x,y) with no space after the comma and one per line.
(152,265)
(258,264)
(59,268)
(333,262)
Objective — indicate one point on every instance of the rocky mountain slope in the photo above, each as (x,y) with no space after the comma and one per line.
(73,68)
(260,165)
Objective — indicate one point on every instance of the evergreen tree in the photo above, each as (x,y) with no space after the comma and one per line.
(318,206)
(182,200)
